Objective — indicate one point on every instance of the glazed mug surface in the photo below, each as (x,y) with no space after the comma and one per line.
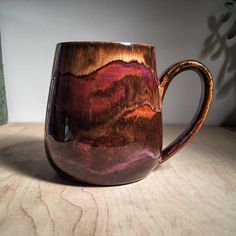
(104,114)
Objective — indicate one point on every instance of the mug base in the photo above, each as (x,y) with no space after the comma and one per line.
(93,181)
(64,176)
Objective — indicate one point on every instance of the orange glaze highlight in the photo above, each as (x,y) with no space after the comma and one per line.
(143,111)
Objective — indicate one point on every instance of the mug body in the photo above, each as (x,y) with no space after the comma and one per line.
(103,123)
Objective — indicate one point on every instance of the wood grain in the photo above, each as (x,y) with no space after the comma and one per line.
(191,194)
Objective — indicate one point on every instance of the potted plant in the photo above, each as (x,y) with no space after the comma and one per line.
(231,11)
(3,101)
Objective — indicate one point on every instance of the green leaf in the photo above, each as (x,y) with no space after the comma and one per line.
(229,5)
(227,16)
(232,31)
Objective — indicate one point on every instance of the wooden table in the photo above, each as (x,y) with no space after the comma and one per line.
(193,193)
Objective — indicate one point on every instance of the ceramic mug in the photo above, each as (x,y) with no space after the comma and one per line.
(104,114)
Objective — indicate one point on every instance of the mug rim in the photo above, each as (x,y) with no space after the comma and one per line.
(127,43)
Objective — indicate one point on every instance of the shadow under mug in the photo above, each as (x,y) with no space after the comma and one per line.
(104,118)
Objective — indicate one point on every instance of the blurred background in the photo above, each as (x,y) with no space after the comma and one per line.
(183,29)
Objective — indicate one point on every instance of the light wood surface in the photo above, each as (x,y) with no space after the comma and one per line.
(193,193)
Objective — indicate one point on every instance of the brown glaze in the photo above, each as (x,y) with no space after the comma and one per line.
(203,107)
(103,123)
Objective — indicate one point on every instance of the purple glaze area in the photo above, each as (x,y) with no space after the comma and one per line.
(105,128)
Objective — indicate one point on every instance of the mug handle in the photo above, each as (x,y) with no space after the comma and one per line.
(203,107)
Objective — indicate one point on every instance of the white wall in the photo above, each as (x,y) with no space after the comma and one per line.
(31,29)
